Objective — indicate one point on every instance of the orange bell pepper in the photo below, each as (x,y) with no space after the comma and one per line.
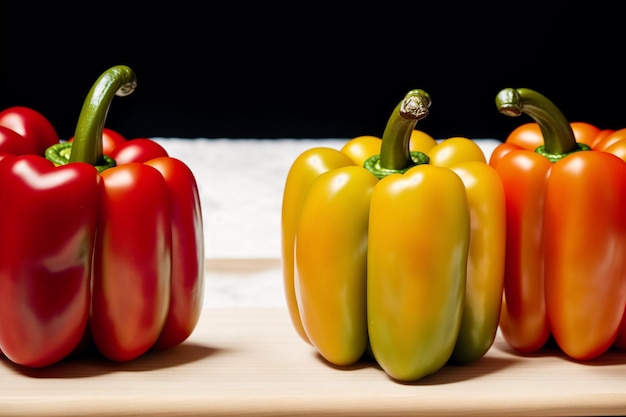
(565,273)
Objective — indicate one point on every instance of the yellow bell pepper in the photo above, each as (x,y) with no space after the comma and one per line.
(395,248)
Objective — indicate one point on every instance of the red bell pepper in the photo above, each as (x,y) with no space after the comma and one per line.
(99,251)
(565,273)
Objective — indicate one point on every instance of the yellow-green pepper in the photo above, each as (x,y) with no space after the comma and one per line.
(395,247)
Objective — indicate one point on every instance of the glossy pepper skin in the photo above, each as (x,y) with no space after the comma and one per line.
(33,127)
(12,143)
(377,248)
(566,231)
(98,251)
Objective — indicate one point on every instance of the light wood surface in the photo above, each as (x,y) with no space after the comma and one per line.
(250,362)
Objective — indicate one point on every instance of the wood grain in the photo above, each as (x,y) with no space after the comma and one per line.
(250,362)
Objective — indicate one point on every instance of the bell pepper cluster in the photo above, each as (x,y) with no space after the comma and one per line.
(565,274)
(102,244)
(393,248)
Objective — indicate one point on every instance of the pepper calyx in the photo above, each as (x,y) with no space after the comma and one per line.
(373,164)
(59,154)
(554,157)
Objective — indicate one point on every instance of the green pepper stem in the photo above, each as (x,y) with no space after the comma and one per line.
(395,155)
(558,136)
(87,144)
(394,151)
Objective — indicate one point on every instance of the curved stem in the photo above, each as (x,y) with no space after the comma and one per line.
(87,144)
(394,151)
(395,155)
(558,136)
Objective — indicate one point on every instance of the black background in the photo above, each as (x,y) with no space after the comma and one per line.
(303,69)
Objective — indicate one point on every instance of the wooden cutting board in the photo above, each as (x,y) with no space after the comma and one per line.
(250,362)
